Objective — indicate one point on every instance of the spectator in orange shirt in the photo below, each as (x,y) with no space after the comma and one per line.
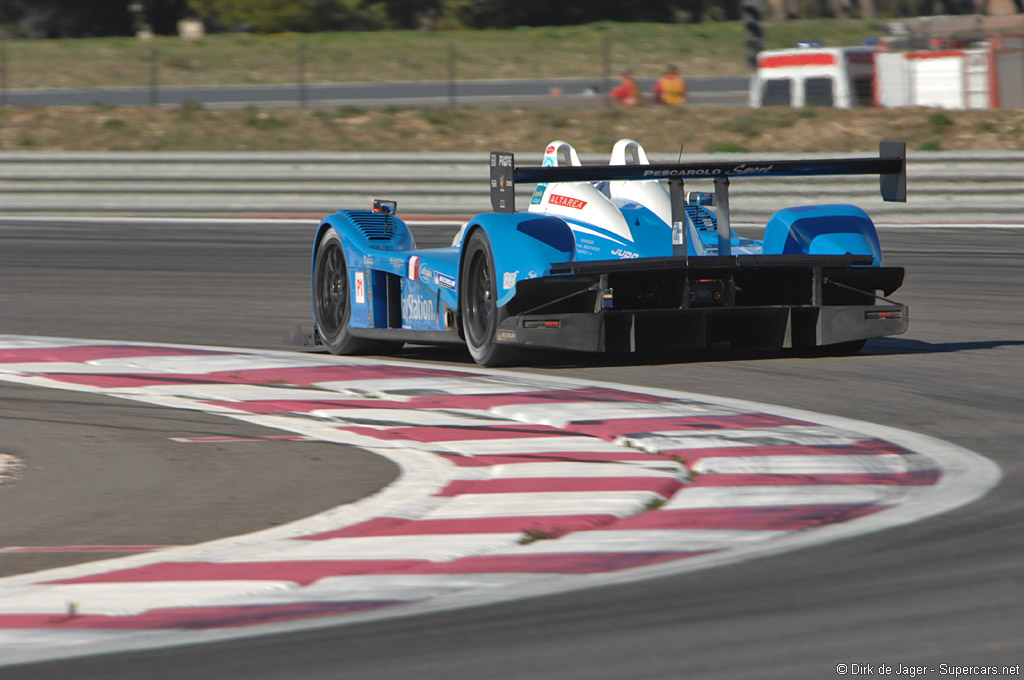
(627,93)
(670,88)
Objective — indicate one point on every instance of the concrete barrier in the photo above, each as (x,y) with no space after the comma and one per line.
(942,186)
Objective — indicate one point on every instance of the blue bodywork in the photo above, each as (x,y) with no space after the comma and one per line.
(383,260)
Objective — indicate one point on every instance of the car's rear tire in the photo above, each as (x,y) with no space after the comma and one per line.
(478,305)
(332,302)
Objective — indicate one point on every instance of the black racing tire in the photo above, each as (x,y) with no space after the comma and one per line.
(478,305)
(332,302)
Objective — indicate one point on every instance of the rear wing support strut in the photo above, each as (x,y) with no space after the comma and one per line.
(679,226)
(724,218)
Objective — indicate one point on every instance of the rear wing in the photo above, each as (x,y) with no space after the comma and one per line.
(890,166)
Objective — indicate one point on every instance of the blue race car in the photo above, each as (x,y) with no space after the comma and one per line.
(614,258)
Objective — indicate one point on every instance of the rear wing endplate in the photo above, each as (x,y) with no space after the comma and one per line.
(890,166)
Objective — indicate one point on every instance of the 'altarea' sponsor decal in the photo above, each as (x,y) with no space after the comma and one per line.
(575,203)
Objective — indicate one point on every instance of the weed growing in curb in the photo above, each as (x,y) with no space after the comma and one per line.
(534,535)
(655,503)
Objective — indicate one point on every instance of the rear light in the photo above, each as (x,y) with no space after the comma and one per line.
(887,314)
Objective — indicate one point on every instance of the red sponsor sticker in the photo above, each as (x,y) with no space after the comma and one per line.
(575,203)
(360,288)
(550,149)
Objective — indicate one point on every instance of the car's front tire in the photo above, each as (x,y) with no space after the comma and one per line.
(332,303)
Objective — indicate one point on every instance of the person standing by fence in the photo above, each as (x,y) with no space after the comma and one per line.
(627,92)
(670,88)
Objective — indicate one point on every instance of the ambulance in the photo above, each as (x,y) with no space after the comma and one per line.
(839,77)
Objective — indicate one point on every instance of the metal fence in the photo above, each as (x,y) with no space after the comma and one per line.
(422,68)
(942,186)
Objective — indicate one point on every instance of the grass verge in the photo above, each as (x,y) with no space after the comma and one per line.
(659,129)
(551,51)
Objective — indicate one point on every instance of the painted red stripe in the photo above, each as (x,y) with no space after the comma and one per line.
(864,448)
(612,428)
(665,486)
(190,618)
(747,519)
(434,434)
(301,572)
(581,456)
(913,478)
(809,59)
(82,354)
(550,563)
(303,376)
(397,526)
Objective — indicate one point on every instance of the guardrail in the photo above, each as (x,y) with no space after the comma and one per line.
(982,186)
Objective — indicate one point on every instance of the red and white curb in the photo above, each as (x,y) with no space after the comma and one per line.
(511,485)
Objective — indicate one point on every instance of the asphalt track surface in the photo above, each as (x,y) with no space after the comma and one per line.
(946,590)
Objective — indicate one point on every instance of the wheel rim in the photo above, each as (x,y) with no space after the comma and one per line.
(480,300)
(332,290)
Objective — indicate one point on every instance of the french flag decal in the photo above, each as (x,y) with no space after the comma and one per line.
(414,267)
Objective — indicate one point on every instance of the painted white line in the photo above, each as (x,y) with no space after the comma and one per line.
(433,547)
(566,469)
(767,436)
(813,465)
(167,365)
(403,587)
(681,540)
(8,465)
(525,445)
(126,599)
(542,503)
(785,496)
(399,388)
(225,392)
(383,418)
(562,414)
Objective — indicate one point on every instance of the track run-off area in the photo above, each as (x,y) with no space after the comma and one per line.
(511,485)
(494,504)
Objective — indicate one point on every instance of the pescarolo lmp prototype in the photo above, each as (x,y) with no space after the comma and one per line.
(614,258)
